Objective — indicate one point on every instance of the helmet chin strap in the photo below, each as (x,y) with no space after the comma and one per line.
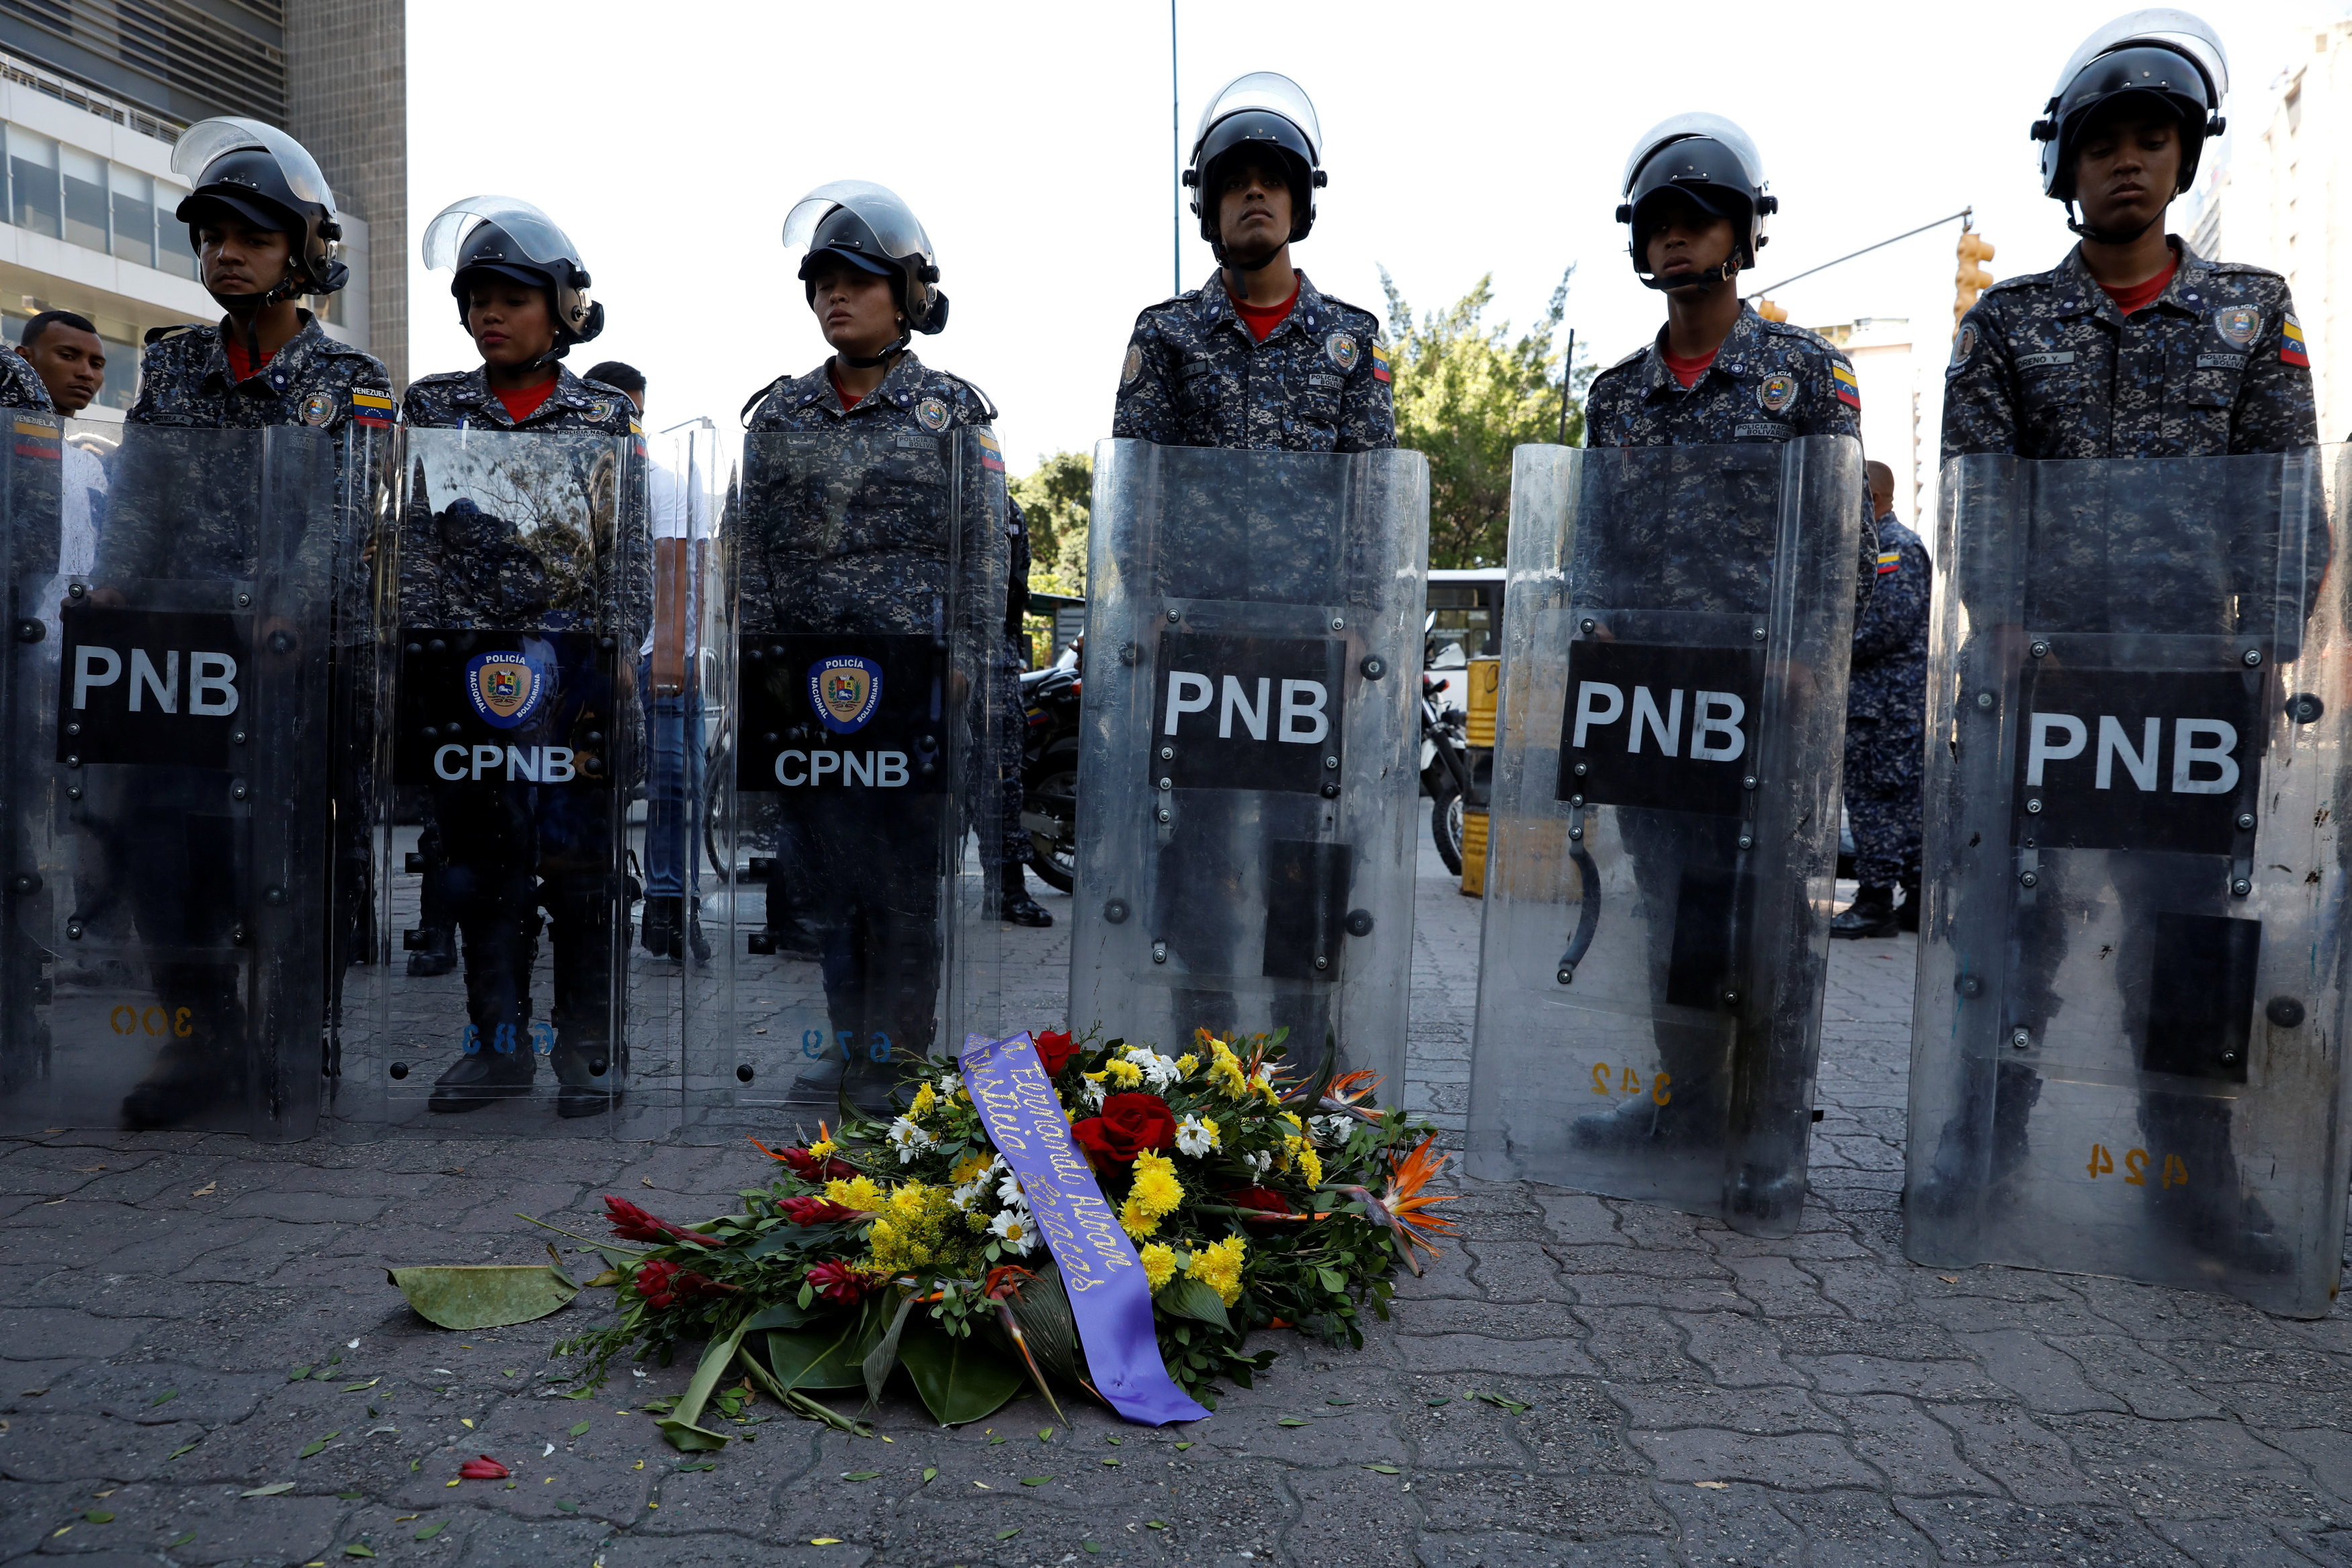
(906,336)
(1713,274)
(287,287)
(2106,236)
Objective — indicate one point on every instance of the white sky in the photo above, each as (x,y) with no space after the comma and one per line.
(1032,140)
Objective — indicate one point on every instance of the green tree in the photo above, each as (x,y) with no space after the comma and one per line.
(1055,500)
(1466,395)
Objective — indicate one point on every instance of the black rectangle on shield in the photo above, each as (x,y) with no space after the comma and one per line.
(824,714)
(1247,713)
(1305,909)
(2136,760)
(152,687)
(1659,726)
(506,707)
(2200,998)
(1701,965)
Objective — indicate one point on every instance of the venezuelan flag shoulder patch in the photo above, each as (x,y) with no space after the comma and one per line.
(371,409)
(2292,350)
(1380,364)
(992,456)
(1890,561)
(1849,391)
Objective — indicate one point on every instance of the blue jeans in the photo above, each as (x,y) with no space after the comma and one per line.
(673,791)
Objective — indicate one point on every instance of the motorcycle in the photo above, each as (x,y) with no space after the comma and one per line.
(1049,767)
(1446,776)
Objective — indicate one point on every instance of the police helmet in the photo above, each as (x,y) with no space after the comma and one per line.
(1255,115)
(869,228)
(2170,56)
(1713,163)
(269,180)
(502,236)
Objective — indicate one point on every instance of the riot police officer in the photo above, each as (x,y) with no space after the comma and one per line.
(1696,207)
(496,852)
(2133,347)
(1257,356)
(872,518)
(261,221)
(1011,851)
(1886,694)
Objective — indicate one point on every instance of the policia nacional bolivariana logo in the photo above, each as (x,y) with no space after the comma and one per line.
(846,690)
(506,688)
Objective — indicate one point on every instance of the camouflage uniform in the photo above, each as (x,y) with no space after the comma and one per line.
(1770,381)
(1684,534)
(1885,718)
(2047,366)
(494,853)
(185,507)
(845,529)
(1194,377)
(20,384)
(1013,738)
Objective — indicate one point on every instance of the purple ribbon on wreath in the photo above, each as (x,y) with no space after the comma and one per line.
(1109,1297)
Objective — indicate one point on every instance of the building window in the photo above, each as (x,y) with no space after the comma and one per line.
(33,182)
(85,195)
(134,215)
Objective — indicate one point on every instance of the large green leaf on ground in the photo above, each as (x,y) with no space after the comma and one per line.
(1186,1297)
(830,1351)
(961,1378)
(483,1295)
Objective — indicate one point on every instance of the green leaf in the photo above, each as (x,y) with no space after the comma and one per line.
(297,1375)
(1181,1447)
(829,1355)
(679,1425)
(314,1445)
(164,1398)
(1186,1297)
(356,1549)
(1333,1280)
(430,1530)
(1155,1524)
(859,1475)
(579,1394)
(784,1315)
(1112,1464)
(960,1378)
(183,1449)
(883,1358)
(182,1542)
(1339,1402)
(1385,1469)
(579,1427)
(993,1441)
(1035,1480)
(1045,1434)
(483,1295)
(930,1474)
(1042,1310)
(275,1488)
(99,1516)
(1113,1440)
(1008,1534)
(1093,1548)
(355,1387)
(568,1507)
(1290,1421)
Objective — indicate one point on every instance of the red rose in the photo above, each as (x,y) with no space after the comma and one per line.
(838,1281)
(1265,1200)
(1130,1123)
(1054,1048)
(814,1210)
(630,1223)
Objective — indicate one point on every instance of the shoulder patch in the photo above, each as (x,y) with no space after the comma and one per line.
(932,414)
(1964,343)
(164,334)
(2292,349)
(1342,350)
(1849,390)
(1132,366)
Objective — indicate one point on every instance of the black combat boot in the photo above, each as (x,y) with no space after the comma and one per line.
(1907,915)
(1870,916)
(1017,907)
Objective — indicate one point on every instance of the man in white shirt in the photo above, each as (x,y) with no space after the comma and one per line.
(66,352)
(678,512)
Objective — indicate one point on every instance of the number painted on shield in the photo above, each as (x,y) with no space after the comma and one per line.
(154,1021)
(542,1038)
(473,1040)
(813,1044)
(1628,1082)
(2173,1171)
(878,1049)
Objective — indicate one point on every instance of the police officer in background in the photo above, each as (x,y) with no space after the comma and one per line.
(1257,357)
(844,533)
(261,223)
(1013,889)
(2133,347)
(1885,720)
(500,851)
(19,387)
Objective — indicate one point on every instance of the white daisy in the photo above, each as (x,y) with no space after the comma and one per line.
(1008,1192)
(1195,1137)
(1015,1232)
(911,1139)
(964,1196)
(1159,1071)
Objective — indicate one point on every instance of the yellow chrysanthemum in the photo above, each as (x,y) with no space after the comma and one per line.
(910,1198)
(926,1100)
(1296,1124)
(823,1147)
(855,1192)
(1122,1073)
(1308,1160)
(1157,1191)
(968,1169)
(1220,1268)
(1136,1222)
(1186,1063)
(1158,1264)
(1225,1071)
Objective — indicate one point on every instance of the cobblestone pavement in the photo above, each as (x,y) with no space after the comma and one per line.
(1692,1396)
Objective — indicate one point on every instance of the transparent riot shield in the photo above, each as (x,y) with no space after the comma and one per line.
(860,772)
(514,592)
(1247,773)
(1663,829)
(163,953)
(2127,1051)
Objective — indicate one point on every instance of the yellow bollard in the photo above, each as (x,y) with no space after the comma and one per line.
(1473,850)
(1485,682)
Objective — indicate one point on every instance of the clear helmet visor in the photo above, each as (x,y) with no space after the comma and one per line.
(532,231)
(1714,127)
(877,206)
(1268,91)
(2181,31)
(209,139)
